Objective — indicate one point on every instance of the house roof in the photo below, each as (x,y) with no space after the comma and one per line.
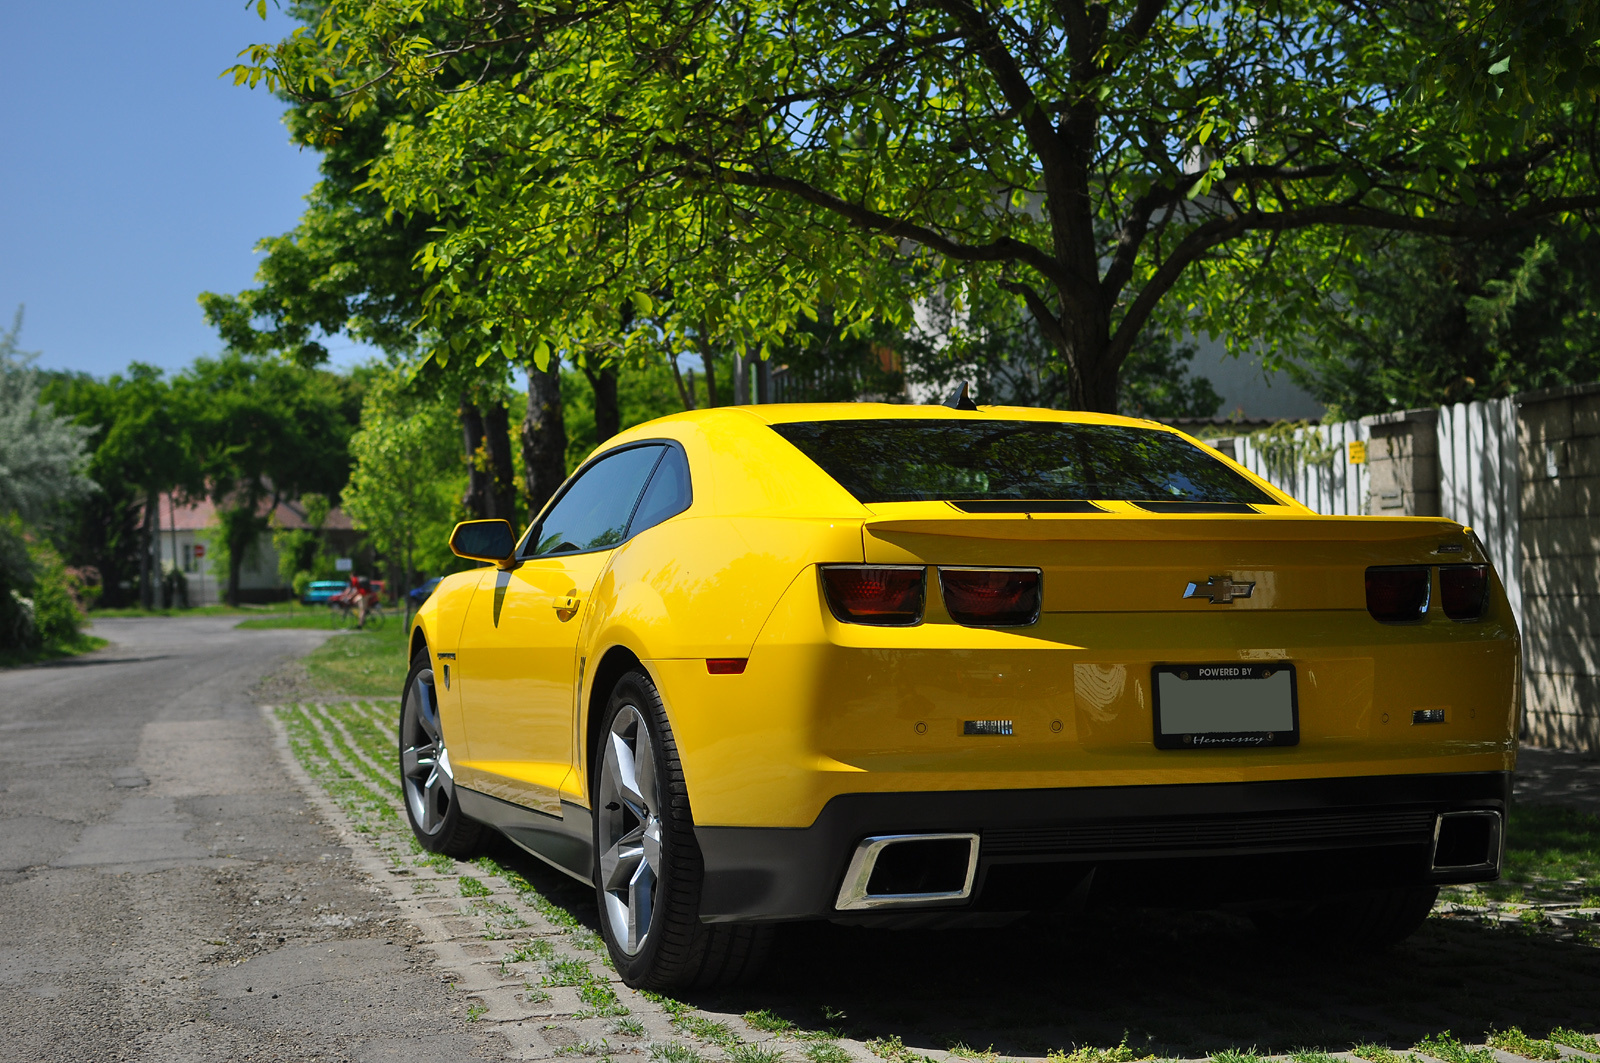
(179,515)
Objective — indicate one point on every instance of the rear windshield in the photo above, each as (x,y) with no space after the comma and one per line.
(1003,461)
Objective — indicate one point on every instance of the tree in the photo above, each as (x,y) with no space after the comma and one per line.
(1115,166)
(265,430)
(1431,322)
(42,465)
(403,488)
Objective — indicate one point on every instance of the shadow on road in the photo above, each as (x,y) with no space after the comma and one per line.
(1175,983)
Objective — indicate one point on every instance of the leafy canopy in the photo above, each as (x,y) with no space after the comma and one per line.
(730,167)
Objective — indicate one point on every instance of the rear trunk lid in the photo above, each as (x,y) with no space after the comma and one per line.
(1132,561)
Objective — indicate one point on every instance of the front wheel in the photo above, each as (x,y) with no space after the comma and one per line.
(426,781)
(648,869)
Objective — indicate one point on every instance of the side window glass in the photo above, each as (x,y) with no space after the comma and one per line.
(668,493)
(593,513)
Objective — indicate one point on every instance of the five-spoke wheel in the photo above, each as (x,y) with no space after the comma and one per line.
(647,865)
(629,828)
(425,775)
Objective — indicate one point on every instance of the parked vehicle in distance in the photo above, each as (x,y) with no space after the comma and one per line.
(418,595)
(320,590)
(925,666)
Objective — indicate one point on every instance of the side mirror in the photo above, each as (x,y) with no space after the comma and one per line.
(484,540)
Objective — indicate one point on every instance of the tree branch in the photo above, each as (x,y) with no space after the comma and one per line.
(1220,230)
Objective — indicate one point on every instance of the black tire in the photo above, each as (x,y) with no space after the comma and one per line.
(677,951)
(427,789)
(1354,923)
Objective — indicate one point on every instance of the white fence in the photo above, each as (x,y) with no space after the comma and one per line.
(1478,483)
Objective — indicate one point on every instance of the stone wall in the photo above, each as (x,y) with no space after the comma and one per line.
(1403,463)
(1558,440)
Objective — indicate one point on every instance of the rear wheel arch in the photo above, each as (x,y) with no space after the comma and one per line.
(615,663)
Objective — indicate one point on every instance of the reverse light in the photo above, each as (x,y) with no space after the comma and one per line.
(991,597)
(887,595)
(1398,594)
(1463,590)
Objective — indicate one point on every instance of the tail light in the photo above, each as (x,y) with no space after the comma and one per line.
(991,597)
(1463,590)
(1399,594)
(888,595)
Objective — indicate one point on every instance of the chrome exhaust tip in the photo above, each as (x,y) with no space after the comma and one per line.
(1467,841)
(909,870)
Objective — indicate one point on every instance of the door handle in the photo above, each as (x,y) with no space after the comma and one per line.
(567,603)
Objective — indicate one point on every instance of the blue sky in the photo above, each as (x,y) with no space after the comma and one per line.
(132,177)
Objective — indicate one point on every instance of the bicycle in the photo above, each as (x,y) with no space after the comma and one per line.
(344,612)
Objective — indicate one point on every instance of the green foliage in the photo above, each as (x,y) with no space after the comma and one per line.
(43,457)
(608,179)
(1448,1047)
(1573,1039)
(265,430)
(1428,322)
(1514,1040)
(405,488)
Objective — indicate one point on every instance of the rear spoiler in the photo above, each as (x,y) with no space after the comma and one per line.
(1256,527)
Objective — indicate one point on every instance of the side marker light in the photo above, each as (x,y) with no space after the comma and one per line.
(726,665)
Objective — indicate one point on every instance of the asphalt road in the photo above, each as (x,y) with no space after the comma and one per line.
(165,891)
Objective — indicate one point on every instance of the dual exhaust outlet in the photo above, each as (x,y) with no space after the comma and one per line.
(915,870)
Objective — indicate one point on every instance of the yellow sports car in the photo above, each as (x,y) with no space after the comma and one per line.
(931,665)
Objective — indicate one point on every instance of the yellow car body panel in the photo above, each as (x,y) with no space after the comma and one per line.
(825,708)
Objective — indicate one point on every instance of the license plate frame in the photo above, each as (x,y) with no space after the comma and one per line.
(1255,721)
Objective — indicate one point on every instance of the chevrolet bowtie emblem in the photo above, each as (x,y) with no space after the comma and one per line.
(1219,589)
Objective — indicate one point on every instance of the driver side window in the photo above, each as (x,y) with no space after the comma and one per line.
(592,514)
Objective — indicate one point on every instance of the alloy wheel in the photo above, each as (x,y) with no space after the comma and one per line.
(629,829)
(424,762)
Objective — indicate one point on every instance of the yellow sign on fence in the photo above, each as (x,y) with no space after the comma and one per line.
(1358,452)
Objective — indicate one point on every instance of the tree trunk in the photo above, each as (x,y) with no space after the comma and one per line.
(685,394)
(503,478)
(146,535)
(710,360)
(477,500)
(237,545)
(607,412)
(741,380)
(763,381)
(544,437)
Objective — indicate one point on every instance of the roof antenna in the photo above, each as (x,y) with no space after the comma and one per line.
(960,400)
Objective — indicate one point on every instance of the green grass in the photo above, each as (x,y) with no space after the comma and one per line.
(1573,1039)
(749,1053)
(767,1022)
(471,887)
(56,651)
(1550,843)
(1090,1054)
(362,663)
(1381,1054)
(673,1052)
(1519,1043)
(269,608)
(1448,1047)
(825,1052)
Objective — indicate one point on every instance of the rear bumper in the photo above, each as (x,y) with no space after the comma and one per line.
(1164,845)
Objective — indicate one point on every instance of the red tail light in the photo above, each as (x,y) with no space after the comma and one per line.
(991,597)
(875,594)
(1463,590)
(1398,595)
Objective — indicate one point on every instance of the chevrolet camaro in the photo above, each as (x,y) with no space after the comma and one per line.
(932,665)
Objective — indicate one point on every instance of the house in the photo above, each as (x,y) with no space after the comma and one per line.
(188,531)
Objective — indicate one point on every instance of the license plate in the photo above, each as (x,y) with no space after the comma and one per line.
(1215,706)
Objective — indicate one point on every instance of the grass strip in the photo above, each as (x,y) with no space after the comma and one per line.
(1448,1047)
(1573,1039)
(1519,1043)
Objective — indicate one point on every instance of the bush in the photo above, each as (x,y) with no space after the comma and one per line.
(39,596)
